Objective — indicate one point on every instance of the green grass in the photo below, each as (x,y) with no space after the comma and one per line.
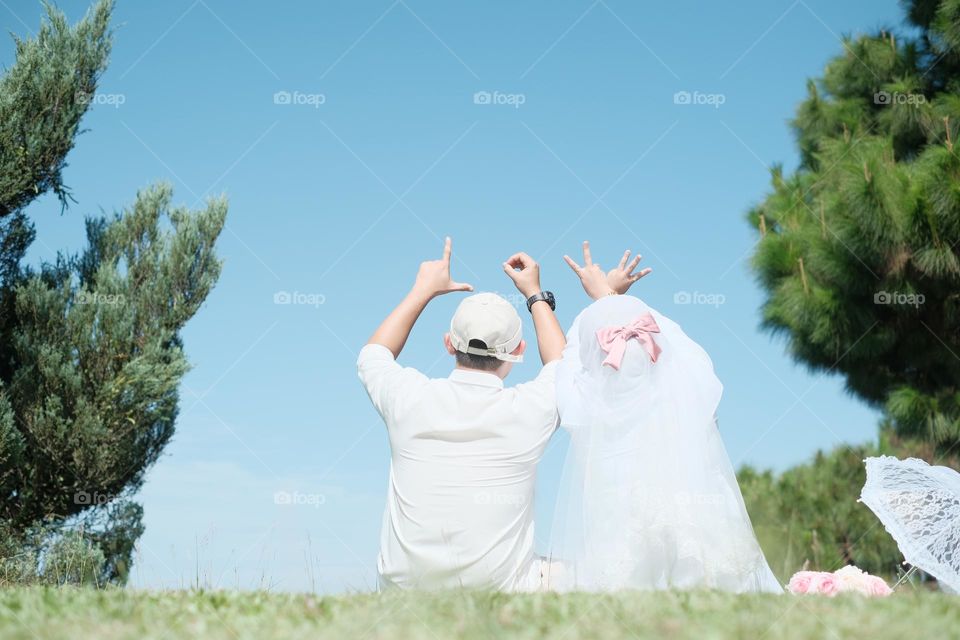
(48,613)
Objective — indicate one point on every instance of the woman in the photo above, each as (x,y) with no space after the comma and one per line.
(649,499)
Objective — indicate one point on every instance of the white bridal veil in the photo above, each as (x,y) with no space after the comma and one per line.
(648,499)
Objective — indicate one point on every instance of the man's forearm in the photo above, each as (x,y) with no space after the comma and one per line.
(394,331)
(550,338)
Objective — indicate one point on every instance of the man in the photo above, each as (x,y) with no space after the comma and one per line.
(464,449)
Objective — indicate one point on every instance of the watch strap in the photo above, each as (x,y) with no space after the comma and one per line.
(546,296)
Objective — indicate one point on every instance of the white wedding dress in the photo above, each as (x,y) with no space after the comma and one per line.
(648,499)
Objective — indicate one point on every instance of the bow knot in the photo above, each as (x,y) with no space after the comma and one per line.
(613,340)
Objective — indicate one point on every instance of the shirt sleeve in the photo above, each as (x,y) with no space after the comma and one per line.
(387,382)
(541,392)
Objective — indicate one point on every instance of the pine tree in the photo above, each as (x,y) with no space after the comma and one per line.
(90,348)
(858,249)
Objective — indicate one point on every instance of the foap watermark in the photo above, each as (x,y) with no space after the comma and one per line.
(495,497)
(899,298)
(297,499)
(885,98)
(698,297)
(114,100)
(499,98)
(699,98)
(515,298)
(298,98)
(299,298)
(95,297)
(91,498)
(687,498)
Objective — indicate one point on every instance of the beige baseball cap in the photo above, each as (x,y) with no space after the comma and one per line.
(492,320)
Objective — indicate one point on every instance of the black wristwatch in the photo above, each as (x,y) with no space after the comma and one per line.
(546,296)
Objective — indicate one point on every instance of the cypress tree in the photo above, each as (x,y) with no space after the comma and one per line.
(90,348)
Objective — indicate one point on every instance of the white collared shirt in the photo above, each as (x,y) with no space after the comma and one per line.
(464,453)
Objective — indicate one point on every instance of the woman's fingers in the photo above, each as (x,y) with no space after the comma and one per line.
(573,265)
(640,274)
(623,260)
(587,261)
(633,263)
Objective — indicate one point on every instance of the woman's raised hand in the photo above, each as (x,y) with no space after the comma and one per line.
(592,277)
(597,283)
(622,276)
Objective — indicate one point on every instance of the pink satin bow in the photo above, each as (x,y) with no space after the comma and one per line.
(613,340)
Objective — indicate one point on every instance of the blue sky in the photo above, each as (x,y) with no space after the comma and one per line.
(350,139)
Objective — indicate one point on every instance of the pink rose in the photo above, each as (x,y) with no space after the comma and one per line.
(800,582)
(827,584)
(879,587)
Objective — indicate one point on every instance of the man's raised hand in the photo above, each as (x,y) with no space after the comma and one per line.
(434,279)
(525,273)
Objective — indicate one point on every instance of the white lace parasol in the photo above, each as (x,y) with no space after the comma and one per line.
(919,505)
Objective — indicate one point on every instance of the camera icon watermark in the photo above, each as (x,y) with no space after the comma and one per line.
(714,100)
(296,98)
(899,298)
(698,297)
(514,100)
(299,298)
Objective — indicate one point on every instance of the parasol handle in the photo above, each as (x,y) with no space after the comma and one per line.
(909,573)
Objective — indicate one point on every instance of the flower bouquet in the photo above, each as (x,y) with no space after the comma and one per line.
(847,579)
